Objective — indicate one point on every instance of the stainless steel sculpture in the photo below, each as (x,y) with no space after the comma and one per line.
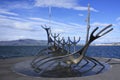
(68,59)
(60,57)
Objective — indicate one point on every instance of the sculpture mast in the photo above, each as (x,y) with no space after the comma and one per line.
(50,11)
(88,23)
(48,29)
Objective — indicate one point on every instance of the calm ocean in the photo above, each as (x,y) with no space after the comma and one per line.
(20,51)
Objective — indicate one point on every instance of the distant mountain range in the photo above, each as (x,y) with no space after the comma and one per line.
(32,42)
(109,44)
(23,42)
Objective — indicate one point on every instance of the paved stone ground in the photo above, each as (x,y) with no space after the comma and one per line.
(6,72)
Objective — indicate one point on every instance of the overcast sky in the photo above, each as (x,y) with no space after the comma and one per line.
(22,19)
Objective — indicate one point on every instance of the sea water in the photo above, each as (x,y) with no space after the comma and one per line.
(22,51)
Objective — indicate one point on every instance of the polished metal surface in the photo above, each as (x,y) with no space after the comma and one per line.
(60,53)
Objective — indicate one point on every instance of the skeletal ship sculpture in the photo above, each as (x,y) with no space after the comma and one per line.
(61,58)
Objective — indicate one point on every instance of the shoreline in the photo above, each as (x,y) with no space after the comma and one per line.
(6,72)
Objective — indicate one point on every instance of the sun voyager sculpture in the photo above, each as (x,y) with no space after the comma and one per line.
(60,61)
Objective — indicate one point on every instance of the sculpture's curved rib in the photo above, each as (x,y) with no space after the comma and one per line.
(94,65)
(84,64)
(99,64)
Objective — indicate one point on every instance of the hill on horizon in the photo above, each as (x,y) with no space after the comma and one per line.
(23,42)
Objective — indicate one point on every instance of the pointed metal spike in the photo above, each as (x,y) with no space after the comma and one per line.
(106,32)
(104,29)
